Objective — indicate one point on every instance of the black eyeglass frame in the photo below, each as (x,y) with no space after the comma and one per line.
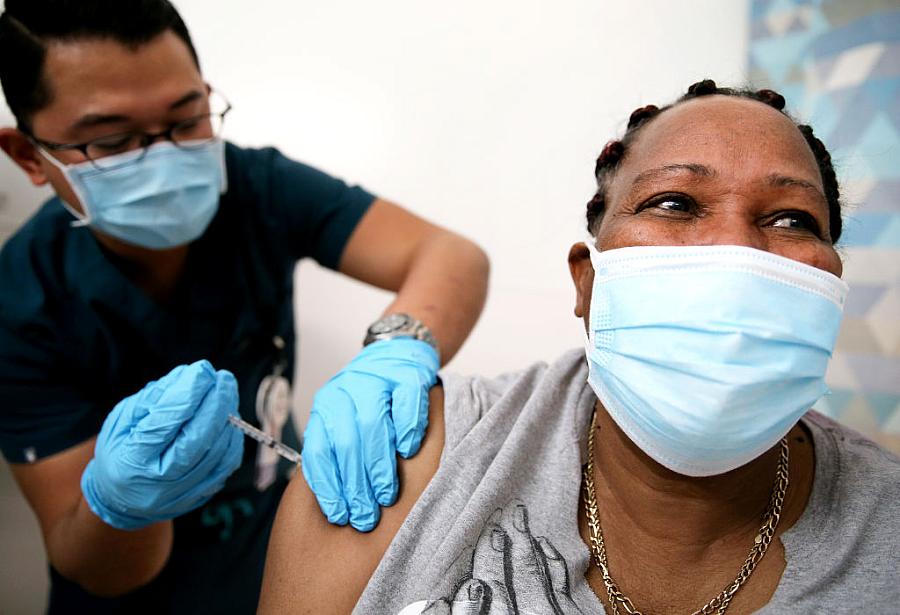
(147,138)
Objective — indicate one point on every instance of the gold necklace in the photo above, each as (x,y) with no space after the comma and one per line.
(718,604)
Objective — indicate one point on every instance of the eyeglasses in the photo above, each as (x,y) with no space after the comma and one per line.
(194,132)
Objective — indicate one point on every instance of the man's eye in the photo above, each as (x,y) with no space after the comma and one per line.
(112,143)
(189,124)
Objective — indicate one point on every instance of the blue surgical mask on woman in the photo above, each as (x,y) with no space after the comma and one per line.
(706,356)
(162,199)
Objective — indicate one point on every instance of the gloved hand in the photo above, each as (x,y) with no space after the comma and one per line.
(165,450)
(372,409)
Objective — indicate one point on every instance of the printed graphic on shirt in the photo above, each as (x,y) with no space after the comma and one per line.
(510,571)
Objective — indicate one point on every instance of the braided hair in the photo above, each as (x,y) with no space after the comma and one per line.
(614,151)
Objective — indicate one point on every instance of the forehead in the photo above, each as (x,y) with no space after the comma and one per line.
(738,138)
(103,76)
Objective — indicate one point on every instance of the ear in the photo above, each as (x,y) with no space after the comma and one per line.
(582,276)
(23,152)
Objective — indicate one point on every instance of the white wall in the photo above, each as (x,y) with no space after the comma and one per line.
(484,116)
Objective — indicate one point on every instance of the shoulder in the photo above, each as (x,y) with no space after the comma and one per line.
(868,465)
(315,567)
(33,262)
(506,397)
(267,173)
(857,486)
(844,546)
(311,212)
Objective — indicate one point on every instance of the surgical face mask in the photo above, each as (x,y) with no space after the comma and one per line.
(706,356)
(164,199)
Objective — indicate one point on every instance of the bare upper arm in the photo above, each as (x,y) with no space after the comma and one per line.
(52,485)
(315,567)
(393,234)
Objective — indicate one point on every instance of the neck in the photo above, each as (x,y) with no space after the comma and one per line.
(652,503)
(673,542)
(156,272)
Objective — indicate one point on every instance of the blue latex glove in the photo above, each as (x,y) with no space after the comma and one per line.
(371,410)
(165,450)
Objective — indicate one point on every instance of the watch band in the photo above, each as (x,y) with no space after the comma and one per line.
(399,325)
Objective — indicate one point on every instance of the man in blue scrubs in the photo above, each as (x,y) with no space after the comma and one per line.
(152,297)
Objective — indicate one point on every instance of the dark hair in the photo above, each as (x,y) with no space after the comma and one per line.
(615,150)
(27,26)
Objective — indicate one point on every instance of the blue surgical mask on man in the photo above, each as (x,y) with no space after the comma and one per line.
(162,198)
(706,356)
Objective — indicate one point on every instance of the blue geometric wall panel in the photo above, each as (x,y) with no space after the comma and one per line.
(838,65)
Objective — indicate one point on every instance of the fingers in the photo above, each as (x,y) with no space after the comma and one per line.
(210,432)
(519,568)
(202,457)
(209,476)
(342,427)
(531,571)
(320,470)
(557,571)
(489,560)
(472,598)
(409,411)
(170,403)
(409,366)
(205,428)
(336,441)
(373,410)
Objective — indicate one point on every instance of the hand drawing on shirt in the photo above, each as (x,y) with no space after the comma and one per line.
(512,572)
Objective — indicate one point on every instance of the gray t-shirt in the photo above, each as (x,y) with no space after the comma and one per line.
(498,522)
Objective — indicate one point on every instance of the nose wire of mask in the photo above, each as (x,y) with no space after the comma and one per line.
(705,356)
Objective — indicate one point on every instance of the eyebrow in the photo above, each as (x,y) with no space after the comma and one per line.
(95,119)
(668,170)
(783,181)
(775,180)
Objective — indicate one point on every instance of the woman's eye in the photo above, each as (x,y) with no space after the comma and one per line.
(797,220)
(671,202)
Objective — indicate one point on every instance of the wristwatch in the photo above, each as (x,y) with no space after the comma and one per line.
(399,325)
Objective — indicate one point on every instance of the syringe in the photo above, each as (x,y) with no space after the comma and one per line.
(263,438)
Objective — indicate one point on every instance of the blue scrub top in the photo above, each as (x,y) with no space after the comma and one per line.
(76,336)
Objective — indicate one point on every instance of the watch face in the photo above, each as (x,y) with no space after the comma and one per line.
(388,324)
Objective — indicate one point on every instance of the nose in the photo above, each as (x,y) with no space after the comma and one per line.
(153,137)
(734,229)
(150,138)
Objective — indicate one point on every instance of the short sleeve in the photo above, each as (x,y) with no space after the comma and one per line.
(40,416)
(312,212)
(41,411)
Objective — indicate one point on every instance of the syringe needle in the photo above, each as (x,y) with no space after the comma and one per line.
(263,438)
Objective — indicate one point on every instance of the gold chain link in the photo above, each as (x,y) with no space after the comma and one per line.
(718,604)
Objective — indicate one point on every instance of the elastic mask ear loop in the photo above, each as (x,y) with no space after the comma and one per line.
(594,252)
(81,219)
(589,332)
(223,167)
